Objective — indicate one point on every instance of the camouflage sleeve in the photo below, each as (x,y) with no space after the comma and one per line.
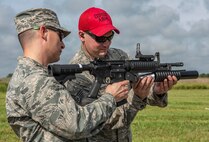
(152,99)
(52,106)
(80,89)
(157,100)
(125,114)
(136,104)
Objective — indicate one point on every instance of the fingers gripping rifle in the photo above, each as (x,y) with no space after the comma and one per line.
(110,71)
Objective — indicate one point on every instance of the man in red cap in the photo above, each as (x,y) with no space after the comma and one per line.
(96,32)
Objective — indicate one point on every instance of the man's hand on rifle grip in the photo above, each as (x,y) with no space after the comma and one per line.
(119,90)
(142,86)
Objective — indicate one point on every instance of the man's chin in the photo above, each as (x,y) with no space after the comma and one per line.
(55,60)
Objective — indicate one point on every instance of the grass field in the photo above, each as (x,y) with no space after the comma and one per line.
(185,119)
(6,134)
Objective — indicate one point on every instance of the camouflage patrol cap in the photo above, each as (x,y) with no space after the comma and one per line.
(34,18)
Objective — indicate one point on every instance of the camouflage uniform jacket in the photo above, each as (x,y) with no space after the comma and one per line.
(40,109)
(117,128)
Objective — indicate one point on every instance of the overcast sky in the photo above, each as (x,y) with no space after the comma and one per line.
(178,29)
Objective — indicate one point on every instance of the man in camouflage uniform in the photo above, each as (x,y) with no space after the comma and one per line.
(38,107)
(96,32)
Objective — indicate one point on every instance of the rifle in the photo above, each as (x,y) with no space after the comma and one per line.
(110,71)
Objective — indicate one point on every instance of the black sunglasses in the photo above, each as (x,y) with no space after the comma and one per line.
(60,34)
(100,39)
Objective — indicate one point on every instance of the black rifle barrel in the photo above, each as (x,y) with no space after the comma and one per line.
(149,66)
(141,66)
(177,64)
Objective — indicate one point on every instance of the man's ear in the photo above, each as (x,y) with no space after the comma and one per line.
(43,32)
(81,35)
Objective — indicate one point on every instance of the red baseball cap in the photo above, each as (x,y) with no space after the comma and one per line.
(97,21)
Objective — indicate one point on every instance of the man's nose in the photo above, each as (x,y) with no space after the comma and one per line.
(62,45)
(106,43)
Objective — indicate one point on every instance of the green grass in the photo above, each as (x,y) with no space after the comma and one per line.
(3,87)
(6,133)
(185,119)
(190,85)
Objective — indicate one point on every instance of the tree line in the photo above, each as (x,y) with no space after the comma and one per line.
(204,75)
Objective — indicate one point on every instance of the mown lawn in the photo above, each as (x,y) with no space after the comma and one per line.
(6,133)
(185,119)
